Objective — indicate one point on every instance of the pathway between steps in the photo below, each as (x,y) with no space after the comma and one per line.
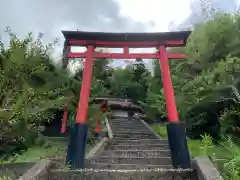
(134,152)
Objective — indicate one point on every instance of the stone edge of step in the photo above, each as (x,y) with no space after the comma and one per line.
(133,157)
(137,145)
(123,170)
(143,150)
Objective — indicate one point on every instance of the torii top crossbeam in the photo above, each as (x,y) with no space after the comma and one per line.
(125,41)
(134,40)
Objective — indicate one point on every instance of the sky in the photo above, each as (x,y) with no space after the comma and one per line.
(52,16)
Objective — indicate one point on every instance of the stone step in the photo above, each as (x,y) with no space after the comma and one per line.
(132,139)
(140,145)
(88,163)
(135,139)
(129,126)
(131,131)
(136,136)
(125,166)
(126,122)
(141,153)
(135,133)
(137,147)
(140,142)
(132,160)
(126,130)
(125,118)
(118,117)
(105,174)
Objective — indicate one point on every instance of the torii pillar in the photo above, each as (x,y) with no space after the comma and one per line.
(176,130)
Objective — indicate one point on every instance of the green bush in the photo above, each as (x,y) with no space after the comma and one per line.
(31,86)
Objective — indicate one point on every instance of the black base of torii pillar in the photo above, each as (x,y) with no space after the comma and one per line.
(178,145)
(77,145)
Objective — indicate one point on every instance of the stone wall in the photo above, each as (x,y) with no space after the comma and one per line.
(205,169)
(14,170)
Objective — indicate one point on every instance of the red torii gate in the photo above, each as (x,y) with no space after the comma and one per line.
(176,131)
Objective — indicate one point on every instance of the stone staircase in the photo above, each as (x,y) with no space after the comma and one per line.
(134,152)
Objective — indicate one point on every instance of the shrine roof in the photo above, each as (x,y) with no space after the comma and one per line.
(117,102)
(126,37)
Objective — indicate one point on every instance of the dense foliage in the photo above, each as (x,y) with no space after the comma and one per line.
(131,82)
(31,86)
(33,89)
(206,85)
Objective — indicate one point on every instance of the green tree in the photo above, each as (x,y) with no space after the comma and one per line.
(31,86)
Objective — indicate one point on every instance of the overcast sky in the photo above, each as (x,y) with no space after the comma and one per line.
(52,16)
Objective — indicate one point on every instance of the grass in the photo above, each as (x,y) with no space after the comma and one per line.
(161,130)
(223,153)
(52,148)
(195,145)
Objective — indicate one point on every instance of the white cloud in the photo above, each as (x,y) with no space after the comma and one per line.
(156,15)
(160,12)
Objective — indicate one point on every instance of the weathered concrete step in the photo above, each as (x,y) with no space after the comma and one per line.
(132,139)
(141,153)
(138,142)
(127,122)
(140,145)
(113,147)
(126,166)
(136,136)
(118,117)
(124,118)
(130,126)
(126,130)
(135,133)
(132,131)
(133,160)
(105,174)
(89,164)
